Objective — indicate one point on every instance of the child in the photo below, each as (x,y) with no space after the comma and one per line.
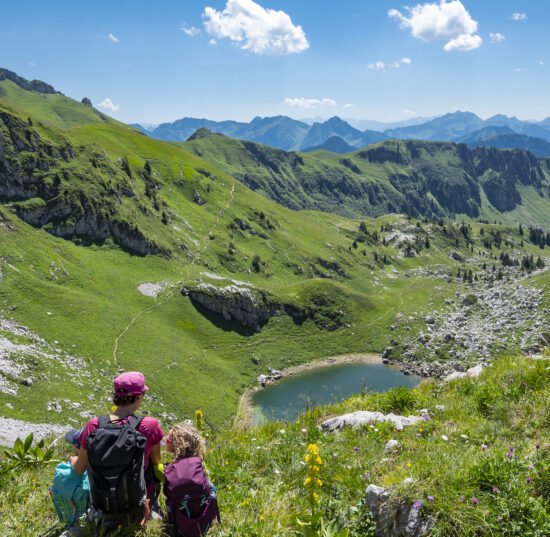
(191,501)
(70,490)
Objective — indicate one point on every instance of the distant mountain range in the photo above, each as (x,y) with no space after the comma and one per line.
(293,135)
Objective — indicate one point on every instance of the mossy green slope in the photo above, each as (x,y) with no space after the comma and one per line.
(432,179)
(476,465)
(139,210)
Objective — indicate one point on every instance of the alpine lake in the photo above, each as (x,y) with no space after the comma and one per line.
(287,398)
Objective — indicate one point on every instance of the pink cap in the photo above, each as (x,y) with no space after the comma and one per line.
(130,383)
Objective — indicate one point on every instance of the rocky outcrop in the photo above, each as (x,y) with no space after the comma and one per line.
(11,430)
(250,307)
(29,85)
(395,519)
(41,179)
(364,417)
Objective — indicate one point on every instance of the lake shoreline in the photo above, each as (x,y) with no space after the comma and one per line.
(245,412)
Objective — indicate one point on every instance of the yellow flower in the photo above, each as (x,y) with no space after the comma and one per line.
(113,408)
(199,419)
(409,464)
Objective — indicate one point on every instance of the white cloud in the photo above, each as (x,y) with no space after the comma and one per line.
(212,42)
(348,105)
(519,16)
(256,29)
(113,38)
(464,42)
(301,102)
(192,32)
(541,62)
(446,20)
(520,69)
(391,65)
(411,113)
(109,105)
(496,38)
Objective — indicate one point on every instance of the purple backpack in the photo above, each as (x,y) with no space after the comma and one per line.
(191,500)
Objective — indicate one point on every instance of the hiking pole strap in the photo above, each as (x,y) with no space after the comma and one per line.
(47,532)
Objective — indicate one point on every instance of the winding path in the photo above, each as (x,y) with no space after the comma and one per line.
(204,245)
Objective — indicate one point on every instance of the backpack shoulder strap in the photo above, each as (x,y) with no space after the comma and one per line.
(103,421)
(134,421)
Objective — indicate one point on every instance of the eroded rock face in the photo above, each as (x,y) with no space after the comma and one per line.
(364,417)
(395,520)
(46,199)
(251,308)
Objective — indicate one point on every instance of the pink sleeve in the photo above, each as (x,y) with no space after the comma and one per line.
(151,429)
(92,425)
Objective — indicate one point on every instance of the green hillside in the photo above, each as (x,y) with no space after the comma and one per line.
(90,212)
(422,178)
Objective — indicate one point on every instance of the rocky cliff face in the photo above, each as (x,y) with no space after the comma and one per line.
(51,186)
(29,85)
(250,307)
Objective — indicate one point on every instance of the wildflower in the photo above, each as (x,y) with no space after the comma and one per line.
(496,490)
(512,448)
(524,383)
(367,477)
(510,455)
(355,448)
(483,447)
(312,482)
(531,467)
(537,445)
(199,419)
(511,379)
(418,504)
(431,498)
(475,501)
(113,409)
(529,479)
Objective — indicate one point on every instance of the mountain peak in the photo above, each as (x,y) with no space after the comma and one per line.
(199,133)
(29,85)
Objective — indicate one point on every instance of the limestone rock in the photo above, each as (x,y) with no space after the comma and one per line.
(364,417)
(394,520)
(391,445)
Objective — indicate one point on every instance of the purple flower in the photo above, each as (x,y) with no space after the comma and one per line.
(475,501)
(431,498)
(529,479)
(355,448)
(367,477)
(496,490)
(531,467)
(524,383)
(418,504)
(511,379)
(510,455)
(537,445)
(512,448)
(483,447)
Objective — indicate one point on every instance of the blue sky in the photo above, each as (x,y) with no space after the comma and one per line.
(234,59)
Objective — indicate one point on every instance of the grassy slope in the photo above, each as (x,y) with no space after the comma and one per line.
(260,476)
(56,110)
(384,177)
(195,359)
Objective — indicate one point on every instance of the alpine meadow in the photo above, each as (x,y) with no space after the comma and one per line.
(363,220)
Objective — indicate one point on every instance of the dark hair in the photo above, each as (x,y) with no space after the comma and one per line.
(124,400)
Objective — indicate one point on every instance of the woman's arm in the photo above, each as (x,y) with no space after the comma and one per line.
(81,463)
(155,454)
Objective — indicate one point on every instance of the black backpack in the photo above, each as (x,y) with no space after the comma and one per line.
(115,469)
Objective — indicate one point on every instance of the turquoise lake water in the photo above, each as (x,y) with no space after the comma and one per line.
(288,398)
